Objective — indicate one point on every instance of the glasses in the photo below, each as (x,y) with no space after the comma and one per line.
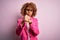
(29,10)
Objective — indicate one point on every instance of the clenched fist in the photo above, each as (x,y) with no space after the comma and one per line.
(26,18)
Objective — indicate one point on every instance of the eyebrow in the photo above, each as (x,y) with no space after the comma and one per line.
(29,9)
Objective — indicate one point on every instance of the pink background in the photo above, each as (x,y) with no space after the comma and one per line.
(48,15)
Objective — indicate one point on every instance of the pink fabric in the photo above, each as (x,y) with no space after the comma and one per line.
(22,31)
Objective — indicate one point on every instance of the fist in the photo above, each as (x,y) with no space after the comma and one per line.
(27,18)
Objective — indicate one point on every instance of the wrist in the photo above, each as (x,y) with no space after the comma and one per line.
(30,21)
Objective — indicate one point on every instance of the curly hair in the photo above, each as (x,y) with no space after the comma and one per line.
(32,5)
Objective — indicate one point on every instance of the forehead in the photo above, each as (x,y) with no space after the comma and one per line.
(29,7)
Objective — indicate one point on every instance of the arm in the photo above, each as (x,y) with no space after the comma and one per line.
(19,27)
(34,27)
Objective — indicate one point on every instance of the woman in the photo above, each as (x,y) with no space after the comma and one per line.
(27,27)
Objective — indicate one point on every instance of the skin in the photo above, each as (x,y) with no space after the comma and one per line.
(29,13)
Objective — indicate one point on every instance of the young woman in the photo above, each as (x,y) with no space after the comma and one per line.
(27,27)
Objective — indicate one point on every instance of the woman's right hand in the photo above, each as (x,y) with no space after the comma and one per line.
(26,18)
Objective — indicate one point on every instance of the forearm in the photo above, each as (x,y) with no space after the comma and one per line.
(19,27)
(34,28)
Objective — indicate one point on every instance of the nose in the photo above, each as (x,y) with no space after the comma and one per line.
(28,11)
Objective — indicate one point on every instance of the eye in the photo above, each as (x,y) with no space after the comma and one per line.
(29,10)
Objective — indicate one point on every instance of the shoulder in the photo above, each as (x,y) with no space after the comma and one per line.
(35,19)
(20,19)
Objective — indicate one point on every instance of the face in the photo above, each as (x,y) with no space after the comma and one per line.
(29,11)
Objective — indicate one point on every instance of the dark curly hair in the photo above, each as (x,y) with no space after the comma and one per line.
(32,5)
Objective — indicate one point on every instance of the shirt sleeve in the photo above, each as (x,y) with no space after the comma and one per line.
(34,27)
(19,28)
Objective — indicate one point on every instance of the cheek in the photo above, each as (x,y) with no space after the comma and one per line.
(26,12)
(31,13)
